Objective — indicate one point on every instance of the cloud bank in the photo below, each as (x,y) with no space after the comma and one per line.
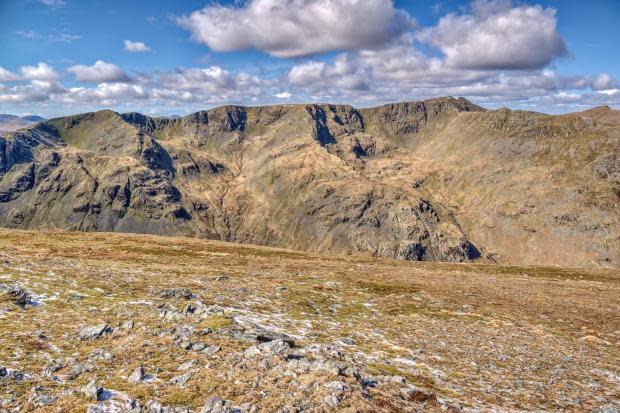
(493,52)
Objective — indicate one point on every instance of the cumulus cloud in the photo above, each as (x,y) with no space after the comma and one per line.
(361,78)
(100,72)
(136,47)
(498,36)
(34,92)
(7,76)
(289,28)
(344,73)
(105,93)
(42,71)
(604,82)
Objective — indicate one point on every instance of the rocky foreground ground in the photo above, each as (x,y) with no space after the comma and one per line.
(125,323)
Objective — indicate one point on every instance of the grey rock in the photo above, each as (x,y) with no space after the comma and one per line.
(338,387)
(18,295)
(397,379)
(100,354)
(92,391)
(331,401)
(199,346)
(53,367)
(218,405)
(276,347)
(416,394)
(329,366)
(94,332)
(44,400)
(78,369)
(212,349)
(188,365)
(137,375)
(182,379)
(222,277)
(153,406)
(183,293)
(348,341)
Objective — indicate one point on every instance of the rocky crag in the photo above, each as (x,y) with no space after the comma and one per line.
(440,180)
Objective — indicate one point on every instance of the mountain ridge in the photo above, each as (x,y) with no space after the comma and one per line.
(425,180)
(9,123)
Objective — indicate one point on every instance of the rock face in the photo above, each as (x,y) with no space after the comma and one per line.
(440,180)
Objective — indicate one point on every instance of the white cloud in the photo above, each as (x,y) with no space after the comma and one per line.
(136,47)
(50,37)
(288,28)
(98,73)
(36,91)
(344,73)
(53,3)
(362,78)
(604,82)
(42,71)
(209,79)
(7,76)
(498,36)
(106,93)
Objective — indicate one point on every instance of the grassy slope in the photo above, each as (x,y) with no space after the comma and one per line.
(485,336)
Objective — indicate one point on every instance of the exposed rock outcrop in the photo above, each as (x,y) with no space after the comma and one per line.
(441,179)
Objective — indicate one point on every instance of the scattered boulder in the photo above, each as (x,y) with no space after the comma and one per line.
(100,354)
(42,400)
(183,378)
(94,332)
(52,367)
(218,405)
(416,394)
(212,349)
(17,295)
(331,401)
(271,348)
(92,391)
(77,370)
(127,325)
(137,375)
(222,277)
(188,365)
(182,293)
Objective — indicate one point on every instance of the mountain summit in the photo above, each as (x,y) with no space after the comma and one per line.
(440,179)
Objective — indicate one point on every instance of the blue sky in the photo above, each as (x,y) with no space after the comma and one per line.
(68,56)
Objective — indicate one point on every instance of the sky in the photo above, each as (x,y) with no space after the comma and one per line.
(173,57)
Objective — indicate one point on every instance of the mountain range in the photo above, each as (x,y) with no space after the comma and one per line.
(439,180)
(10,123)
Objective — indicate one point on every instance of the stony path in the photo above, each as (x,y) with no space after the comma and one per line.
(111,323)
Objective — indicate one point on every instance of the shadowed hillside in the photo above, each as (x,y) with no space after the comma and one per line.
(440,180)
